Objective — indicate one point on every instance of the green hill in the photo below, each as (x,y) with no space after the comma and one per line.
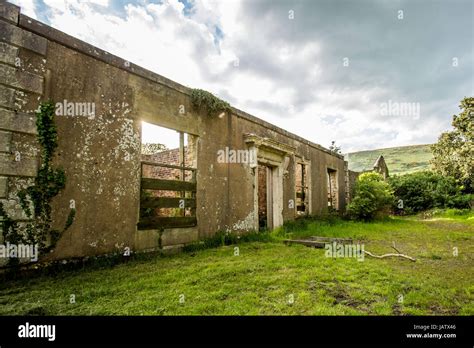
(400,160)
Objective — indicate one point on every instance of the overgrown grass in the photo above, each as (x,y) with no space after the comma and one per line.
(264,276)
(454,214)
(223,238)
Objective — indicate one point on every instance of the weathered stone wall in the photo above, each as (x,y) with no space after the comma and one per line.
(22,71)
(101,154)
(350,179)
(380,167)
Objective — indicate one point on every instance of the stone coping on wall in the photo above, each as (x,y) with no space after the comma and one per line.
(73,43)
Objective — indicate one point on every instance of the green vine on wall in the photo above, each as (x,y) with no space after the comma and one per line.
(10,228)
(48,183)
(204,100)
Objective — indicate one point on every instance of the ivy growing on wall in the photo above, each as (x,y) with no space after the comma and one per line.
(206,101)
(48,183)
(10,228)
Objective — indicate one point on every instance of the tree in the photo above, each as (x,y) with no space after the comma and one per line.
(425,190)
(453,155)
(373,197)
(152,148)
(334,148)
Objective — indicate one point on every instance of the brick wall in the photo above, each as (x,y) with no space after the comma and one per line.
(167,157)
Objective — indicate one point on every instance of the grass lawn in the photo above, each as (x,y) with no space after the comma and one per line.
(266,276)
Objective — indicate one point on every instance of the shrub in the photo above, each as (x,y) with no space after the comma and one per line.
(372,199)
(426,190)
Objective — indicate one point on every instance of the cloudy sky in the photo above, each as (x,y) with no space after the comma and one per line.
(368,74)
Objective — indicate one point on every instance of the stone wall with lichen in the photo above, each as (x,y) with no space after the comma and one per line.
(100,154)
(22,71)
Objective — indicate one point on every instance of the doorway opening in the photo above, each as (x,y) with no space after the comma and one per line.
(263,200)
(333,189)
(273,159)
(267,197)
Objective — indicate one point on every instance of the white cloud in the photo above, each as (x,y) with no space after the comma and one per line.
(288,75)
(28,7)
(98,2)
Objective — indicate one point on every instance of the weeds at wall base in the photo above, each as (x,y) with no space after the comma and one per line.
(64,267)
(228,238)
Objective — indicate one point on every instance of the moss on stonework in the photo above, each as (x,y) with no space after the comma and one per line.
(206,101)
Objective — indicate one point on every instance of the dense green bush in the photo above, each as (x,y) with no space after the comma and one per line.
(372,199)
(425,190)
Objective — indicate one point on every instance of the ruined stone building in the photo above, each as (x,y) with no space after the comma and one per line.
(381,167)
(144,202)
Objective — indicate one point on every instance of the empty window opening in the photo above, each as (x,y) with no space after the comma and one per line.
(168,178)
(333,202)
(301,188)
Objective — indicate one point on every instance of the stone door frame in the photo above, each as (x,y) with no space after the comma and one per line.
(276,156)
